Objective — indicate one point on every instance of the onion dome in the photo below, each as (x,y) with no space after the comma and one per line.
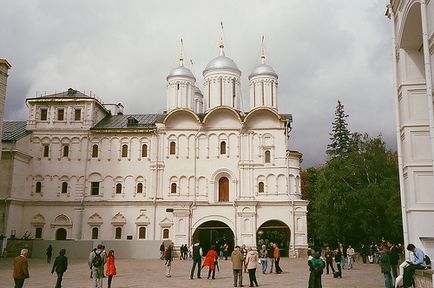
(263,69)
(181,71)
(221,62)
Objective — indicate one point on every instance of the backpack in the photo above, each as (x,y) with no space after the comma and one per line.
(317,265)
(427,261)
(97,260)
(196,252)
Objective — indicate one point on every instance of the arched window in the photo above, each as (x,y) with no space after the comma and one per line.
(46,150)
(223,189)
(118,188)
(165,233)
(139,188)
(95,232)
(261,187)
(172,148)
(64,187)
(38,188)
(65,151)
(142,233)
(125,150)
(38,233)
(267,156)
(223,148)
(61,234)
(144,150)
(173,188)
(94,151)
(118,233)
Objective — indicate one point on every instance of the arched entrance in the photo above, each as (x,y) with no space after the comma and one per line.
(214,232)
(61,234)
(277,232)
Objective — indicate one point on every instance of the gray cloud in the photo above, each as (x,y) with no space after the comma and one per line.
(322,50)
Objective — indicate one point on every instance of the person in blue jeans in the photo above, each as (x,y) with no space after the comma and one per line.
(385,267)
(263,256)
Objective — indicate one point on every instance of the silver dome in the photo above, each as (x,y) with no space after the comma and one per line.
(221,62)
(181,71)
(263,69)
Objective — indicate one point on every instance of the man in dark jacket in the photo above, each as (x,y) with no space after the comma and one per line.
(394,258)
(316,267)
(197,260)
(329,259)
(169,257)
(60,266)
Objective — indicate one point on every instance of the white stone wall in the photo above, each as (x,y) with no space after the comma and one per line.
(414,105)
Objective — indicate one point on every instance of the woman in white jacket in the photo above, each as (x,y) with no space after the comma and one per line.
(251,262)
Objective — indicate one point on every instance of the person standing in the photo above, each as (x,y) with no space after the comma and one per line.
(60,265)
(226,250)
(251,262)
(316,267)
(237,259)
(49,253)
(338,254)
(394,258)
(96,263)
(329,259)
(111,268)
(162,248)
(276,255)
(210,261)
(169,257)
(364,252)
(197,259)
(263,255)
(21,268)
(341,248)
(350,256)
(385,267)
(270,253)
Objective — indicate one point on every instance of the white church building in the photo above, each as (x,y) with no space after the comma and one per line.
(204,169)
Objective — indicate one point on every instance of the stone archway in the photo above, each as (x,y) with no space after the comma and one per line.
(214,232)
(277,232)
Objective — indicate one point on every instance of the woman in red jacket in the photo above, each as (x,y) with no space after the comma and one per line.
(211,261)
(111,268)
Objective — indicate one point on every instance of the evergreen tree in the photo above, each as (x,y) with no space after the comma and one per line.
(340,136)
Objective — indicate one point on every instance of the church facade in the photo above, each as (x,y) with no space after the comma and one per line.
(80,169)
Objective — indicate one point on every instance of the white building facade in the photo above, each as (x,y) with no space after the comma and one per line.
(413,47)
(204,169)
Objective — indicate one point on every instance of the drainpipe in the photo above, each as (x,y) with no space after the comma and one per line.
(428,76)
(391,15)
(81,215)
(193,204)
(154,202)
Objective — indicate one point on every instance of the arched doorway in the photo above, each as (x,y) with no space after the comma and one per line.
(277,232)
(61,234)
(214,232)
(223,189)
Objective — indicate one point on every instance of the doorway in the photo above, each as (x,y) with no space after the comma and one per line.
(277,232)
(61,234)
(214,232)
(223,189)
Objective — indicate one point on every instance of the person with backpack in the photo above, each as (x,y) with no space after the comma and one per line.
(96,263)
(162,248)
(60,266)
(316,267)
(417,263)
(197,260)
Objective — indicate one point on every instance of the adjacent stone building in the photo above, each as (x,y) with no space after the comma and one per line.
(413,47)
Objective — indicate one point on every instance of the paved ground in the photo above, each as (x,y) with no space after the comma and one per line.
(150,273)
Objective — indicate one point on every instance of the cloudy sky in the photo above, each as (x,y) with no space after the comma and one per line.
(122,51)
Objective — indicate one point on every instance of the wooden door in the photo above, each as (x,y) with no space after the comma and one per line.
(223,189)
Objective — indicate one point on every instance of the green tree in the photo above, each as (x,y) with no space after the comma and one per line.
(357,196)
(340,136)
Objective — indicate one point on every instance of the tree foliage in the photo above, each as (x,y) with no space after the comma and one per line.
(354,196)
(340,136)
